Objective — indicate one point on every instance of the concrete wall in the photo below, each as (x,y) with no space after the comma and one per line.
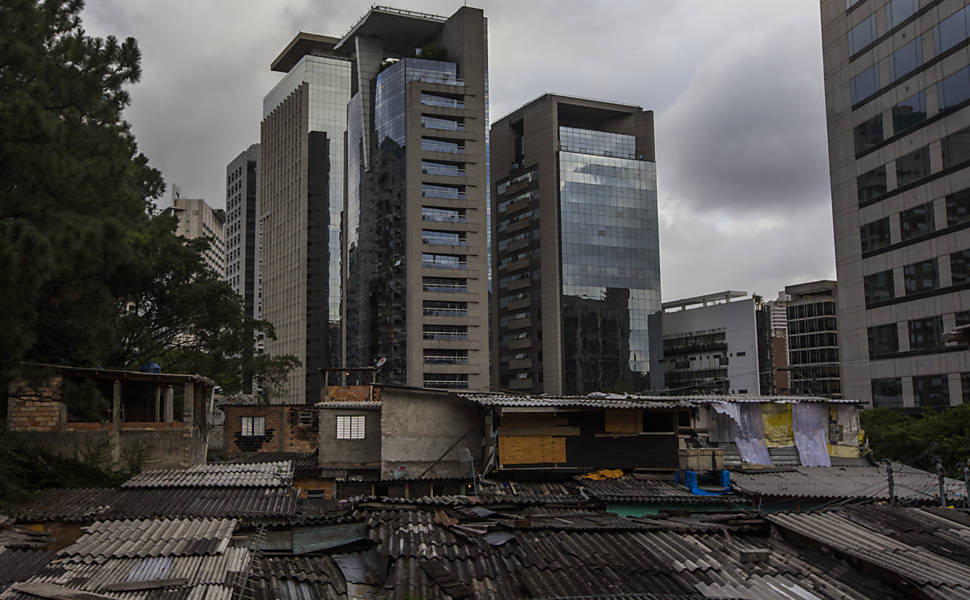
(350,453)
(419,426)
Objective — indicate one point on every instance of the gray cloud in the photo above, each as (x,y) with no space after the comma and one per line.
(737,90)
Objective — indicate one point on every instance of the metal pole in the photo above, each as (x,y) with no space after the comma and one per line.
(939,477)
(892,485)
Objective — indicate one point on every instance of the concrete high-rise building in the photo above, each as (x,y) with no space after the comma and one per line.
(197,219)
(415,220)
(897,92)
(777,309)
(813,340)
(301,193)
(242,206)
(576,284)
(711,344)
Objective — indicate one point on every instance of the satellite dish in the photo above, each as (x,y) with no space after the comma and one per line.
(380,362)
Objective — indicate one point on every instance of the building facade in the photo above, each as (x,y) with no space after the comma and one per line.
(415,270)
(813,352)
(575,249)
(897,91)
(196,219)
(242,206)
(301,190)
(711,345)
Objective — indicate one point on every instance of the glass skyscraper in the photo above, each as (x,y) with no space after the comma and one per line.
(576,251)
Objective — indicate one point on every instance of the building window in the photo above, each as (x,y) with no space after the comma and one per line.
(446,380)
(879,287)
(909,112)
(862,35)
(875,235)
(921,276)
(905,60)
(953,89)
(883,340)
(912,167)
(960,267)
(962,317)
(926,333)
(887,393)
(350,427)
(306,418)
(931,391)
(956,148)
(898,11)
(871,185)
(253,426)
(958,207)
(865,84)
(950,31)
(916,221)
(868,134)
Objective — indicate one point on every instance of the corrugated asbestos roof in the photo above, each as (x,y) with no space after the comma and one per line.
(362,405)
(534,492)
(260,474)
(19,565)
(876,543)
(868,482)
(86,505)
(630,489)
(618,401)
(152,537)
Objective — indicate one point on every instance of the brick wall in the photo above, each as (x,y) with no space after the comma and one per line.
(299,437)
(237,443)
(33,415)
(352,393)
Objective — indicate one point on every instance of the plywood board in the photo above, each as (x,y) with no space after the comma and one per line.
(531,449)
(623,421)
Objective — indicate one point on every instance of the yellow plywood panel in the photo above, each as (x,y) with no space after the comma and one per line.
(777,422)
(623,421)
(531,449)
(840,451)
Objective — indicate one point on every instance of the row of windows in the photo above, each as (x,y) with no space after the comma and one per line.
(902,62)
(429,190)
(444,261)
(443,215)
(816,355)
(445,332)
(445,284)
(813,309)
(811,325)
(528,176)
(446,380)
(928,391)
(914,166)
(864,33)
(915,222)
(814,340)
(445,356)
(924,334)
(918,277)
(436,237)
(444,308)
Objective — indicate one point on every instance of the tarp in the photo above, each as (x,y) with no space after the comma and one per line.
(777,423)
(810,425)
(750,438)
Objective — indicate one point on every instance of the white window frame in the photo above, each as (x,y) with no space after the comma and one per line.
(351,427)
(252,426)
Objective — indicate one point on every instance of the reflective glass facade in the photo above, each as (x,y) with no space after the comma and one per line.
(389,93)
(610,255)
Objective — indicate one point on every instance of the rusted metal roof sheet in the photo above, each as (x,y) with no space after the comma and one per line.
(260,474)
(868,482)
(87,505)
(147,537)
(631,401)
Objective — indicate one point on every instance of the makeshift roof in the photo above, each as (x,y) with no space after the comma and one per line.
(123,375)
(260,474)
(630,401)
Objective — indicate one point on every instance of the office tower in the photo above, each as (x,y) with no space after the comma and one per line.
(779,342)
(576,288)
(301,190)
(813,339)
(711,344)
(197,219)
(241,210)
(897,92)
(415,220)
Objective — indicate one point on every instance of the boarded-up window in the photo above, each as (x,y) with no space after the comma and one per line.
(623,421)
(531,449)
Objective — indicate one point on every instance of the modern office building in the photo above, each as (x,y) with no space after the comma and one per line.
(197,219)
(241,209)
(897,91)
(710,345)
(575,245)
(813,339)
(778,311)
(415,270)
(301,194)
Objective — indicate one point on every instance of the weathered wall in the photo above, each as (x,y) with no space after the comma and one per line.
(353,393)
(334,452)
(418,426)
(283,431)
(35,415)
(153,445)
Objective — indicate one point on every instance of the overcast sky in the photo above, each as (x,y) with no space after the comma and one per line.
(736,87)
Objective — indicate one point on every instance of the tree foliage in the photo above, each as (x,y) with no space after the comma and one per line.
(917,439)
(87,276)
